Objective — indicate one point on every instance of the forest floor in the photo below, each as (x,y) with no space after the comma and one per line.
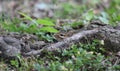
(59,35)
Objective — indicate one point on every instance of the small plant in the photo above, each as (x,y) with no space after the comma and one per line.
(95,46)
(39,27)
(47,26)
(73,59)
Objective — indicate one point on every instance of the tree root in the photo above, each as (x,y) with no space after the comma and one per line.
(110,36)
(65,43)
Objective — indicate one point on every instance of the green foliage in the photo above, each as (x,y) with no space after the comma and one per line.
(92,46)
(69,10)
(14,63)
(36,26)
(89,15)
(46,24)
(72,59)
(48,29)
(25,16)
(77,24)
(85,11)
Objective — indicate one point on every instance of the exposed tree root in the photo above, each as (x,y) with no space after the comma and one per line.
(110,36)
(66,42)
